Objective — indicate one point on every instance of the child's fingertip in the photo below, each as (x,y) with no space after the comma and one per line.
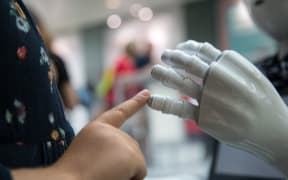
(145,93)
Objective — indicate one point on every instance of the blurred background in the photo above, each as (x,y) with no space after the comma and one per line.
(105,49)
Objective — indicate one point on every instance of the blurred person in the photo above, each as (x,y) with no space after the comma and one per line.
(144,59)
(123,73)
(67,92)
(34,134)
(122,81)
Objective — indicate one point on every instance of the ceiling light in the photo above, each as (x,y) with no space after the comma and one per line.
(114,21)
(145,14)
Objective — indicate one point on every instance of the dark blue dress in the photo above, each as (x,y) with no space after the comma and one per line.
(33,129)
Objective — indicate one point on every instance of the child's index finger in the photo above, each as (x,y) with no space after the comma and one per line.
(118,115)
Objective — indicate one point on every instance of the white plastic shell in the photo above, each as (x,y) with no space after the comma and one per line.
(241,107)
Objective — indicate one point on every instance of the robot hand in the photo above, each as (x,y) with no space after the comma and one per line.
(237,104)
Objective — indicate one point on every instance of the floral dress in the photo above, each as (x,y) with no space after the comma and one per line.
(33,129)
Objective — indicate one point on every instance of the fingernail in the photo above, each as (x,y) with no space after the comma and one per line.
(145,93)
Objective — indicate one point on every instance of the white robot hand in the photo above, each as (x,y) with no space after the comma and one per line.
(237,104)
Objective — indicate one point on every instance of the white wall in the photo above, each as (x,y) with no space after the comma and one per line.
(67,15)
(69,47)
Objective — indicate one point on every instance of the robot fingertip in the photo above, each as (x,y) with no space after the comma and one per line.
(166,56)
(158,72)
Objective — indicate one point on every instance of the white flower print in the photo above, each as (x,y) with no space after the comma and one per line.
(8,116)
(51,118)
(20,111)
(22,24)
(44,57)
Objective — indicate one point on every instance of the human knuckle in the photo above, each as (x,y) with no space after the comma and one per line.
(137,100)
(122,112)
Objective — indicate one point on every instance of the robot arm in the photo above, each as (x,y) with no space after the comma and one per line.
(237,104)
